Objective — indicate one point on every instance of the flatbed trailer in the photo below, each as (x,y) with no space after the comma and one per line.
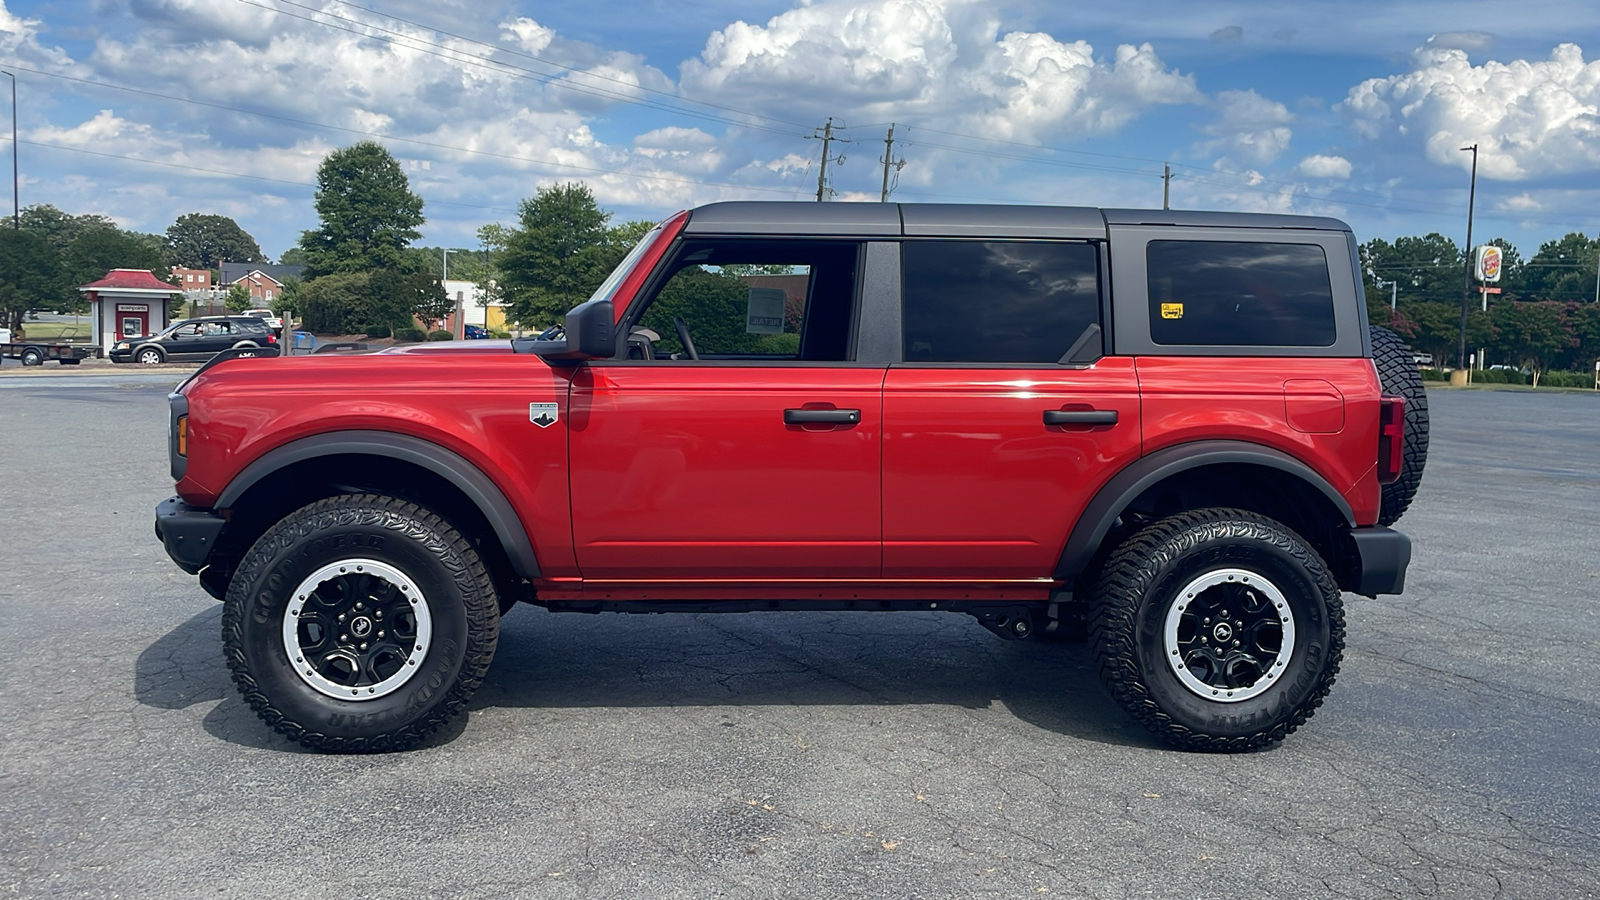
(36,353)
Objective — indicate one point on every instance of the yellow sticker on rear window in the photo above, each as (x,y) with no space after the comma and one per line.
(1172,310)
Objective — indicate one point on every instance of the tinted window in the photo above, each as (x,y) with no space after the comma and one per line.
(998,301)
(1239,293)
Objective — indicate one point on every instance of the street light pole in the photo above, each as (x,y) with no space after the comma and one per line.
(1466,283)
(16,208)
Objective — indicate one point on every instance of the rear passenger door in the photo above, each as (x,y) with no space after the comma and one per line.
(996,435)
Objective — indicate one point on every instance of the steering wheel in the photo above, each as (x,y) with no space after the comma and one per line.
(683,337)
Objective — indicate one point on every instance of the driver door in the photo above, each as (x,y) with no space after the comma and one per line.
(757,457)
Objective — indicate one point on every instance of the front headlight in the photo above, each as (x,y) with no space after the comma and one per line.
(121,345)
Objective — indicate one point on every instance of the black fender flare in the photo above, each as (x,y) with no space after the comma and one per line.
(1126,486)
(447,464)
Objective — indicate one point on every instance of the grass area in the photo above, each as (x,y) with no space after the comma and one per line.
(57,331)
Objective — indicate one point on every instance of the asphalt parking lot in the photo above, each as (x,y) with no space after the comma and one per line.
(802,755)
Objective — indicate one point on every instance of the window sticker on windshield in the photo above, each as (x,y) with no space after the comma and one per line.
(1172,310)
(765,314)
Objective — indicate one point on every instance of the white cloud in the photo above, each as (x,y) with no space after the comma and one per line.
(1462,40)
(1249,128)
(1529,118)
(1319,166)
(1522,203)
(528,35)
(903,59)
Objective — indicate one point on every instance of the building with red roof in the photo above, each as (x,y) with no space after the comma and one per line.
(128,303)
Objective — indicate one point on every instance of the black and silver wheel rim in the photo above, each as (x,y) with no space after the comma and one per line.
(149,357)
(357,629)
(1229,635)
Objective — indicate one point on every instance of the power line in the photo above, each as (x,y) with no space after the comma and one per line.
(156,162)
(390,137)
(458,56)
(550,62)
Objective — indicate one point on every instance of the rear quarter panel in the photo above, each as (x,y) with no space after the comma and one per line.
(1221,398)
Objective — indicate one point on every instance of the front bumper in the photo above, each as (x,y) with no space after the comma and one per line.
(188,533)
(1385,554)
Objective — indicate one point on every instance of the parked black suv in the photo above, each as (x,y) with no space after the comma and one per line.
(197,340)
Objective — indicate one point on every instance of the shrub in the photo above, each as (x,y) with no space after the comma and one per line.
(411,334)
(440,335)
(1567,379)
(1435,375)
(500,334)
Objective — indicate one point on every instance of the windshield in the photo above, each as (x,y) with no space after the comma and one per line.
(614,280)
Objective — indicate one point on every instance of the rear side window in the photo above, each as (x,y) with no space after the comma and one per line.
(1239,293)
(998,301)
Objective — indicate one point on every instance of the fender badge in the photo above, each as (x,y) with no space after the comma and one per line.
(544,414)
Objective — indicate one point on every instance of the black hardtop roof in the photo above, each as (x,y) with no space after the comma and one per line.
(965,220)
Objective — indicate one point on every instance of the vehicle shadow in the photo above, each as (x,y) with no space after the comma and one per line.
(547,660)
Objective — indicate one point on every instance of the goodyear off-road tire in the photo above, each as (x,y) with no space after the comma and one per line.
(1397,372)
(1262,659)
(392,622)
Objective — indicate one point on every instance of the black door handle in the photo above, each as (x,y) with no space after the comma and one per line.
(1080,417)
(821,416)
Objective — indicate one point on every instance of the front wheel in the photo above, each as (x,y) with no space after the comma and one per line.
(360,623)
(1218,629)
(150,356)
(32,357)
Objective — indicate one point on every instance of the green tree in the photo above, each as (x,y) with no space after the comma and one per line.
(294,256)
(32,275)
(202,241)
(237,298)
(59,229)
(1562,269)
(558,256)
(369,214)
(1583,319)
(96,251)
(1534,333)
(289,298)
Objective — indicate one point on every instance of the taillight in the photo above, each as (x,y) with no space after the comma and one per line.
(272,339)
(1391,438)
(183,435)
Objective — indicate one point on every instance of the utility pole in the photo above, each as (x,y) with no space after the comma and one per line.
(826,137)
(1166,186)
(16,209)
(1466,283)
(888,161)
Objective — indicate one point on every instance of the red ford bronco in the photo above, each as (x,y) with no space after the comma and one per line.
(1173,428)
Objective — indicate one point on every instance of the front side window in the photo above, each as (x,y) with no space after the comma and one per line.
(754,300)
(1241,293)
(998,301)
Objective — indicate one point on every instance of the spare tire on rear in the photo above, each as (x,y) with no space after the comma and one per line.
(1397,372)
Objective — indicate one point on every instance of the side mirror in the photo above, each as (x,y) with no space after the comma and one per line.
(591,334)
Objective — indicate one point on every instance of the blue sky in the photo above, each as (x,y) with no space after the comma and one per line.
(145,110)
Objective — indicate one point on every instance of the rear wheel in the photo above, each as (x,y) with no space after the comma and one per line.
(1397,372)
(33,356)
(360,623)
(1218,629)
